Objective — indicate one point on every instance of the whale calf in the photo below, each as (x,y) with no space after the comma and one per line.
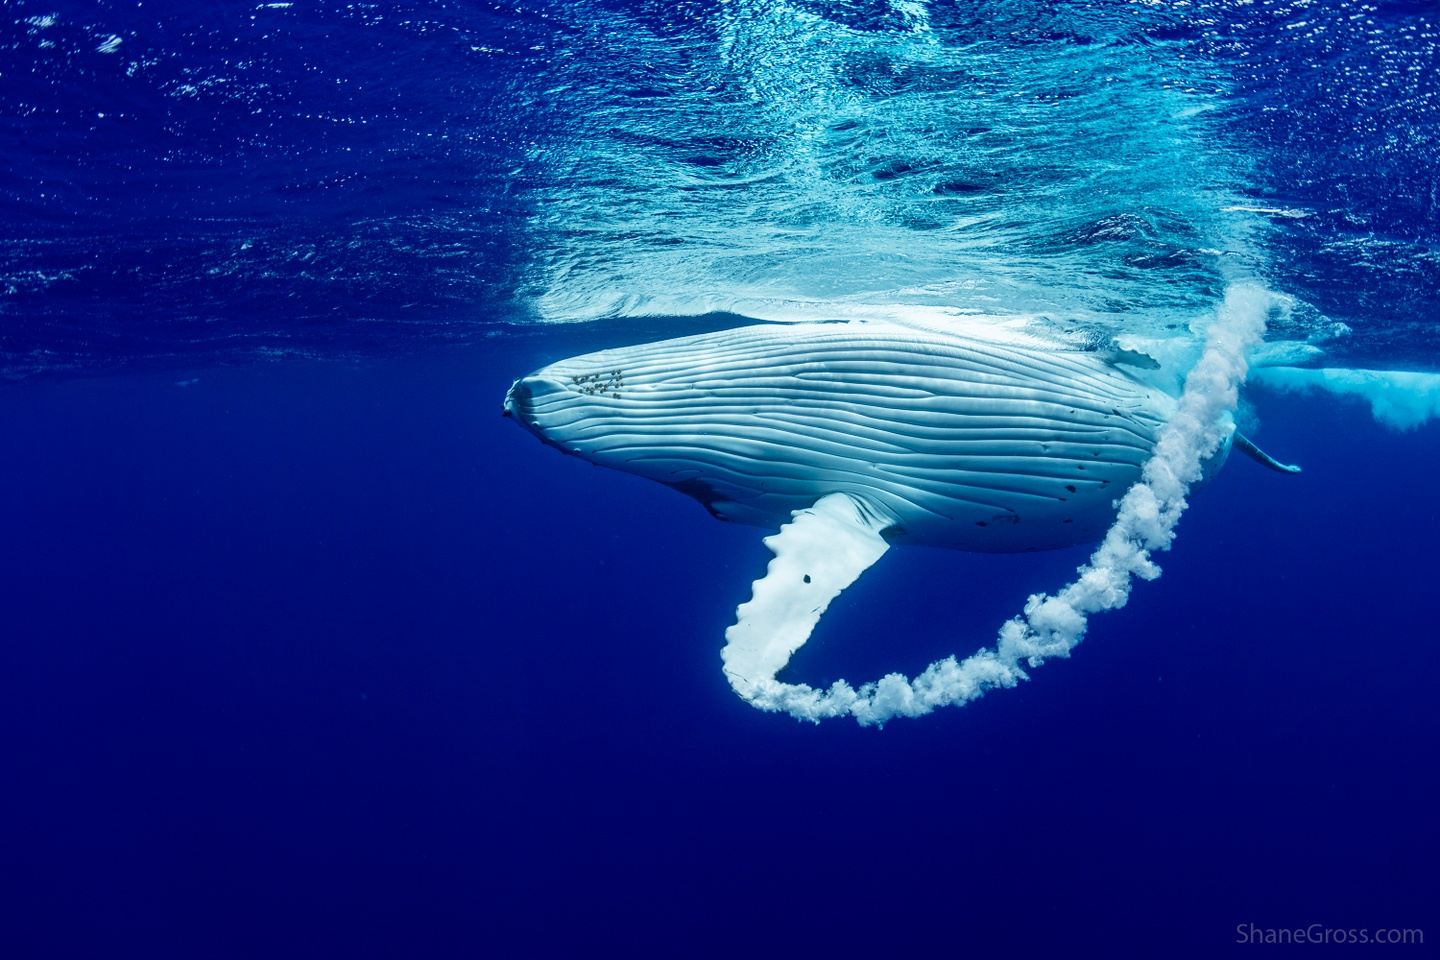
(943,440)
(850,437)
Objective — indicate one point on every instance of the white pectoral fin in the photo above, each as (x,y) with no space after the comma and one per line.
(819,553)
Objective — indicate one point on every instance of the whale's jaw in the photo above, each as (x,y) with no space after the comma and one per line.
(527,398)
(955,441)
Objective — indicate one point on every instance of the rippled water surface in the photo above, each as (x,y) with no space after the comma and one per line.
(328,178)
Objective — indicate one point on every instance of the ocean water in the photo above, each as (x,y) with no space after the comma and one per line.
(308,651)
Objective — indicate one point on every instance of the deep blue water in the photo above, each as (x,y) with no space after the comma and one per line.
(307,651)
(329,657)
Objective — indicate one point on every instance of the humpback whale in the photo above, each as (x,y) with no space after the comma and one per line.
(851,437)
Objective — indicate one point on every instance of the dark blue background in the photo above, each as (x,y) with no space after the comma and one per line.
(322,657)
(325,657)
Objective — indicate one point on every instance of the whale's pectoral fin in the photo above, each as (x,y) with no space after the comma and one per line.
(819,553)
(1260,456)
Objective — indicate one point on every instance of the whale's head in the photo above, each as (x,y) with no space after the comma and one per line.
(545,405)
(580,404)
(664,411)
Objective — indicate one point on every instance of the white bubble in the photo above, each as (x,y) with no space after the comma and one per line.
(1053,624)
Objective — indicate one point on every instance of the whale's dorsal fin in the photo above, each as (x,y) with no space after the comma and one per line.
(820,552)
(1248,448)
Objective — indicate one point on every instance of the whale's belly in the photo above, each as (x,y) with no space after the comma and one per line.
(958,442)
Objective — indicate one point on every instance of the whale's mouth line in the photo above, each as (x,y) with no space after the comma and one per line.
(519,406)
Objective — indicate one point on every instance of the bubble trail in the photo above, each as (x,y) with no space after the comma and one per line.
(1052,625)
